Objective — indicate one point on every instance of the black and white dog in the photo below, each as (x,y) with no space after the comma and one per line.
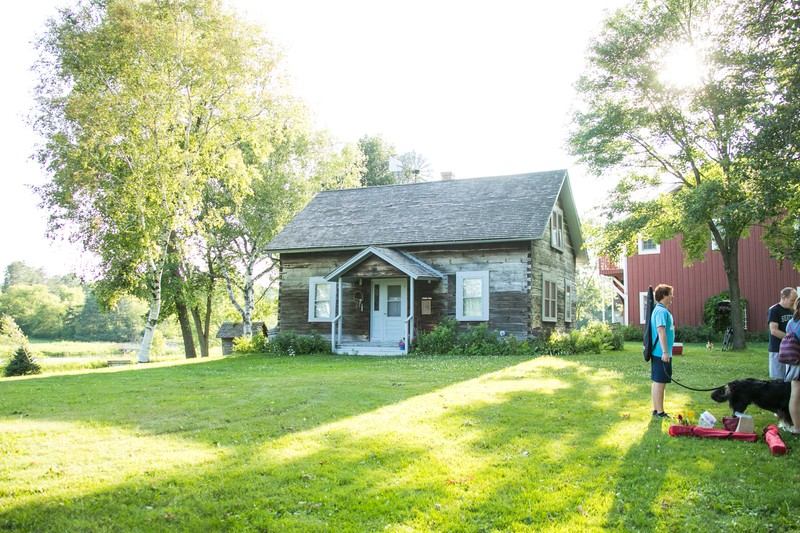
(771,395)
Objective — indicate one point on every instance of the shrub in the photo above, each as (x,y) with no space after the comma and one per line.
(630,332)
(596,337)
(480,340)
(22,363)
(442,340)
(290,343)
(253,344)
(700,334)
(560,343)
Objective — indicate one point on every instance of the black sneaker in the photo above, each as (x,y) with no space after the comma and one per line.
(662,415)
(655,412)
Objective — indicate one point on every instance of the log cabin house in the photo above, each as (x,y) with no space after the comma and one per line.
(371,267)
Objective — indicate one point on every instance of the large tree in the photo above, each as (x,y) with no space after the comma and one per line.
(676,146)
(140,103)
(774,29)
(301,163)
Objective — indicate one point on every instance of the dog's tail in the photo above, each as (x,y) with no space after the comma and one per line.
(721,394)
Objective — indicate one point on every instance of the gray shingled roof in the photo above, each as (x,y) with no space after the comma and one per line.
(499,208)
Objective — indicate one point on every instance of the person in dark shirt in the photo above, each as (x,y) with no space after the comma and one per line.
(779,316)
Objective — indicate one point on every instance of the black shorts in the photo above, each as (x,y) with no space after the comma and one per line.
(660,371)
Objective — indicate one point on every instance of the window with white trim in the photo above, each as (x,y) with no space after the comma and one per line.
(557,229)
(549,302)
(642,307)
(648,246)
(321,300)
(472,296)
(569,300)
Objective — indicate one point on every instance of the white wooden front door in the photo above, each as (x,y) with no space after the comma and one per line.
(389,309)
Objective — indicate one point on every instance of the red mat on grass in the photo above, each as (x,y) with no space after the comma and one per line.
(697,431)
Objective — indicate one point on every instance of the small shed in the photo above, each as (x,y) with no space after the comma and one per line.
(231,330)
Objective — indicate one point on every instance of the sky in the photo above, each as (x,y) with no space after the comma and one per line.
(477,88)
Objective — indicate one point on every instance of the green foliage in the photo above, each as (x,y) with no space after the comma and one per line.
(653,132)
(121,322)
(20,273)
(630,332)
(445,339)
(39,312)
(773,28)
(377,152)
(146,110)
(10,333)
(22,363)
(715,320)
(253,344)
(441,340)
(700,334)
(597,337)
(291,344)
(159,345)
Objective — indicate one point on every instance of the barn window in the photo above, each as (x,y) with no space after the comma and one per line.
(321,300)
(569,300)
(472,295)
(557,229)
(642,307)
(649,246)
(549,295)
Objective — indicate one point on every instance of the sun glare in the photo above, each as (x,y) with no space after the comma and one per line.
(682,67)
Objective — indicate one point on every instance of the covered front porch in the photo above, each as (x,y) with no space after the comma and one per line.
(377,295)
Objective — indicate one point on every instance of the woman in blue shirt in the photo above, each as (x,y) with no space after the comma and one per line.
(663,328)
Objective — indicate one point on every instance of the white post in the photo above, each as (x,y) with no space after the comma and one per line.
(339,305)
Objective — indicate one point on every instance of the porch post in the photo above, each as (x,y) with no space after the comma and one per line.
(410,321)
(339,305)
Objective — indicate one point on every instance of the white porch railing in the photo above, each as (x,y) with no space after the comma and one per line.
(407,333)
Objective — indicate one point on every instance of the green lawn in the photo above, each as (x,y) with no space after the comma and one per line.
(394,444)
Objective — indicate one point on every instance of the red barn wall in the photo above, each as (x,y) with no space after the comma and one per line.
(760,279)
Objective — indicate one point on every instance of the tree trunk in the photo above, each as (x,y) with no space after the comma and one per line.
(730,260)
(156,273)
(202,325)
(152,319)
(186,327)
(249,305)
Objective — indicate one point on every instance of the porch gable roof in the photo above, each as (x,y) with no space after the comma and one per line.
(404,262)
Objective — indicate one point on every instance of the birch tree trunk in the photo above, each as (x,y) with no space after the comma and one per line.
(152,320)
(156,273)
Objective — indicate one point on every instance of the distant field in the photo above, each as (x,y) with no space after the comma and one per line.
(62,356)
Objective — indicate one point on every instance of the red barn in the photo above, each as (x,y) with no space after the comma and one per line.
(761,279)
